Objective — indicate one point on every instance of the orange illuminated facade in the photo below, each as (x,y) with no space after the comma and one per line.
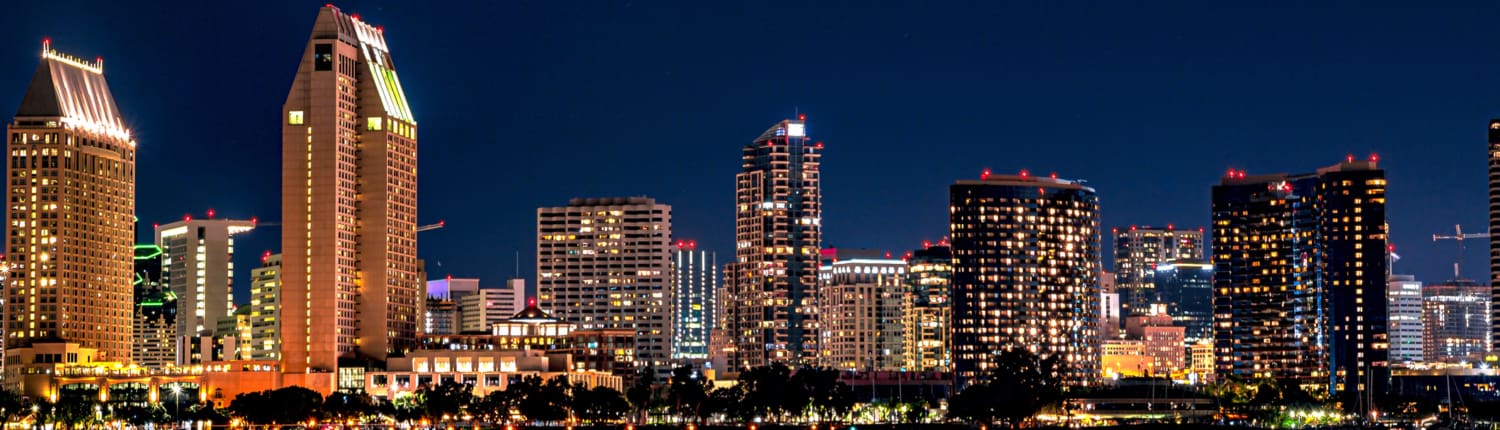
(349,271)
(71,215)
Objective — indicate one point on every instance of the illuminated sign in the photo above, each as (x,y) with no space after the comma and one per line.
(796,129)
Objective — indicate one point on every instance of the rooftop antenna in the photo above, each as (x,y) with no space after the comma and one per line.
(517,273)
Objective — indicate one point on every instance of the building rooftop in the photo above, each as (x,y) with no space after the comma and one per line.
(73,91)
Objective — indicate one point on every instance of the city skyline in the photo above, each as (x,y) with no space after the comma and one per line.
(869,162)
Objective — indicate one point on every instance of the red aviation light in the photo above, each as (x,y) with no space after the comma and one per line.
(450,278)
(1200,229)
(210,212)
(926,244)
(1053,175)
(531,301)
(155,225)
(819,145)
(1170,227)
(328,5)
(1349,158)
(1132,228)
(1390,248)
(1114,230)
(681,244)
(887,254)
(187,217)
(985,174)
(693,244)
(355,16)
(802,117)
(254,220)
(1025,174)
(1374,157)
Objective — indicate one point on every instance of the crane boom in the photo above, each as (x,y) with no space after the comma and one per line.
(1459,236)
(430,227)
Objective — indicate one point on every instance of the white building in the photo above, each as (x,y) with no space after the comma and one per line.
(486,307)
(1404,318)
(198,266)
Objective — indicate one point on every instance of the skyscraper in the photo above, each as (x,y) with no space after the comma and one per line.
(198,263)
(863,305)
(696,280)
(929,274)
(72,193)
(1025,272)
(1405,318)
(155,319)
(1138,252)
(1300,278)
(778,234)
(265,308)
(606,263)
(1494,239)
(350,283)
(1185,288)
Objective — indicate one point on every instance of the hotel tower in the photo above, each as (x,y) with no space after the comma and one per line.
(71,220)
(349,267)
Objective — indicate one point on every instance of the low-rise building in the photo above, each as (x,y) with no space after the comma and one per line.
(485,370)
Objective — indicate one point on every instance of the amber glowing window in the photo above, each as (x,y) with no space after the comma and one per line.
(294,117)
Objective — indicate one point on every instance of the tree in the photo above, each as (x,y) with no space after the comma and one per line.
(542,401)
(769,393)
(11,407)
(829,396)
(288,405)
(446,400)
(725,402)
(686,392)
(1019,385)
(599,404)
(496,406)
(343,406)
(642,393)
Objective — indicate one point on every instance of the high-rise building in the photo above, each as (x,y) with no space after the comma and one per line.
(198,266)
(1300,278)
(1025,272)
(606,263)
(265,309)
(72,188)
(1138,253)
(1404,318)
(452,288)
(232,334)
(350,285)
(773,280)
(1494,239)
(441,316)
(154,343)
(1164,342)
(488,306)
(929,274)
(863,308)
(1110,320)
(1186,288)
(695,278)
(1455,323)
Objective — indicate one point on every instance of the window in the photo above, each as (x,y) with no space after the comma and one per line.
(323,57)
(294,117)
(374,123)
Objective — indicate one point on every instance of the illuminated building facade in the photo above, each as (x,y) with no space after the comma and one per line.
(198,266)
(265,309)
(1300,278)
(1025,272)
(69,224)
(1186,289)
(695,277)
(773,280)
(1455,323)
(1138,253)
(1405,318)
(155,320)
(606,263)
(488,306)
(864,313)
(929,274)
(349,271)
(1494,239)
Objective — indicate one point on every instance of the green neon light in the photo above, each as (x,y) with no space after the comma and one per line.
(154,251)
(139,279)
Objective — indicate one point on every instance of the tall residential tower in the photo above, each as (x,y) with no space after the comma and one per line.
(71,219)
(696,280)
(1138,252)
(773,280)
(1025,273)
(198,266)
(349,271)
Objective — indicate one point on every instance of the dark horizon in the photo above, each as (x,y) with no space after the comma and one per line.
(524,105)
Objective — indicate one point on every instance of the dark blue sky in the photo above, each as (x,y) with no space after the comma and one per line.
(526,104)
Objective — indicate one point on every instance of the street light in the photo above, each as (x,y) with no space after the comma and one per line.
(177,402)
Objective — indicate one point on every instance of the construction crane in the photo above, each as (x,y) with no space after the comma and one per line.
(1460,237)
(428,227)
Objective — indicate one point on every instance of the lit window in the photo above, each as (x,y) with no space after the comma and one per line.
(294,117)
(373,123)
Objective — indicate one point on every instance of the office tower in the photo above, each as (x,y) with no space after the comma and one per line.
(350,285)
(1494,239)
(1025,272)
(265,308)
(778,234)
(232,335)
(606,263)
(198,262)
(929,273)
(452,288)
(1138,252)
(72,193)
(154,326)
(863,305)
(1454,321)
(482,309)
(1186,288)
(1164,343)
(695,279)
(1107,282)
(1110,320)
(1300,273)
(441,316)
(1404,318)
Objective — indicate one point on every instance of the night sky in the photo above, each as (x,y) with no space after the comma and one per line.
(527,104)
